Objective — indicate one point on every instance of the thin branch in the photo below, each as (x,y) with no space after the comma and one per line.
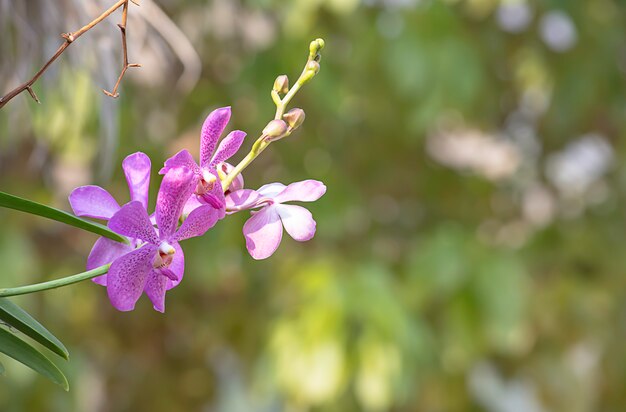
(69,39)
(127,65)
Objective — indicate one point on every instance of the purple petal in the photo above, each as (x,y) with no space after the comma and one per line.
(241,200)
(105,251)
(197,223)
(228,147)
(180,159)
(155,288)
(192,203)
(263,233)
(305,191)
(271,190)
(212,128)
(298,221)
(94,202)
(215,196)
(132,220)
(177,266)
(137,170)
(127,277)
(177,185)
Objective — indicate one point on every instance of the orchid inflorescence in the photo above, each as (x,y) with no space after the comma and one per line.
(140,252)
(198,195)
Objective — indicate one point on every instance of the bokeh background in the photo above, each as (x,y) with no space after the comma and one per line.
(470,248)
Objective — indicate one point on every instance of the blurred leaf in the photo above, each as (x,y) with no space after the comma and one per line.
(1,369)
(28,206)
(22,352)
(22,321)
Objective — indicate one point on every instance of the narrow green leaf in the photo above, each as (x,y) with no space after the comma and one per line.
(22,321)
(34,208)
(1,369)
(22,352)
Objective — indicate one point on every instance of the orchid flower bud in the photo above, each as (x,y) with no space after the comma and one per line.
(275,130)
(281,84)
(315,47)
(294,118)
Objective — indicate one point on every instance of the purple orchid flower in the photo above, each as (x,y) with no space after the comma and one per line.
(152,268)
(95,202)
(208,188)
(264,230)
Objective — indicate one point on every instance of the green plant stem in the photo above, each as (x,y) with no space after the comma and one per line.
(53,284)
(282,106)
(258,147)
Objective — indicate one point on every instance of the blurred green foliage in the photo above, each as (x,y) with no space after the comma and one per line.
(469,247)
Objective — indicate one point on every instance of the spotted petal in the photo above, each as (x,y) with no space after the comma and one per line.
(180,159)
(133,221)
(228,147)
(263,233)
(197,223)
(212,128)
(94,202)
(177,185)
(155,288)
(137,170)
(105,251)
(127,277)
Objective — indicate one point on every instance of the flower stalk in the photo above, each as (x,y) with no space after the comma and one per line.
(311,68)
(53,284)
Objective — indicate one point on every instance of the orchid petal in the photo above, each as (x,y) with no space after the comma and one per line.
(197,223)
(241,200)
(215,196)
(137,170)
(271,189)
(192,203)
(298,221)
(212,128)
(228,147)
(263,233)
(177,266)
(132,220)
(305,191)
(127,277)
(155,288)
(94,202)
(176,187)
(180,159)
(105,251)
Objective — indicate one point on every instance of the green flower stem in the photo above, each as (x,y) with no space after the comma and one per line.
(310,70)
(282,106)
(53,284)
(258,147)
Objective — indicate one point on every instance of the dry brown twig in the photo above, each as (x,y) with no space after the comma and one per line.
(69,39)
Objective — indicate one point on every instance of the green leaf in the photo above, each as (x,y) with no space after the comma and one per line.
(22,352)
(22,321)
(1,369)
(34,208)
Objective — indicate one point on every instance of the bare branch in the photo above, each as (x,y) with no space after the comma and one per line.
(69,39)
(126,65)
